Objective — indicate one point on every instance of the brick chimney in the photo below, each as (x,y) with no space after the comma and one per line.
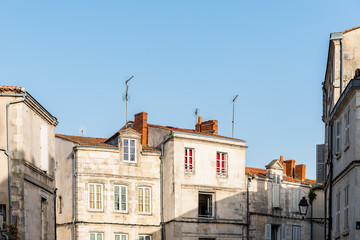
(140,125)
(300,171)
(289,167)
(210,126)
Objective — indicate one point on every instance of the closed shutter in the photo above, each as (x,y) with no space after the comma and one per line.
(320,163)
(295,200)
(44,148)
(268,232)
(283,232)
(296,233)
(276,195)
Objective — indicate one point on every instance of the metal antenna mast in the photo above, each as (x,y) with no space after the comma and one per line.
(126,94)
(196,115)
(233,114)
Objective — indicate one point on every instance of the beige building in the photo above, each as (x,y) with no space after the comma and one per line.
(274,195)
(338,164)
(27,164)
(151,182)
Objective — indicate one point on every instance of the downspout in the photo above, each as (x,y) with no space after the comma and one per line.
(163,236)
(341,65)
(330,182)
(55,197)
(311,224)
(7,151)
(74,194)
(248,210)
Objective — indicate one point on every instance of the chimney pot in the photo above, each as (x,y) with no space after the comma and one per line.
(140,125)
(300,171)
(289,167)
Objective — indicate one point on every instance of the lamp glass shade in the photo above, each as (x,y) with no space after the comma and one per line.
(303,206)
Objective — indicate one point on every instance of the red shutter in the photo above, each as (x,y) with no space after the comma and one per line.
(185,158)
(190,159)
(217,162)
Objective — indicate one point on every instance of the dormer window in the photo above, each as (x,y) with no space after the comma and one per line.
(129,148)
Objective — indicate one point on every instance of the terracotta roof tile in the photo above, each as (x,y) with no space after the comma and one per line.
(4,88)
(349,30)
(146,148)
(262,173)
(88,141)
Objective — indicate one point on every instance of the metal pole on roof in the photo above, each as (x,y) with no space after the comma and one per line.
(127,95)
(196,115)
(233,115)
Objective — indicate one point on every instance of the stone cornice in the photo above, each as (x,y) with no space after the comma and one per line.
(40,110)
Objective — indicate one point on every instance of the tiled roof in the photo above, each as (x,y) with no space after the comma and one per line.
(149,149)
(4,88)
(262,173)
(88,141)
(349,30)
(186,130)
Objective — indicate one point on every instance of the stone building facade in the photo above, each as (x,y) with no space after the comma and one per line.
(338,164)
(27,184)
(274,195)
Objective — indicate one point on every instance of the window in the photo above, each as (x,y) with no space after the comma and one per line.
(296,233)
(275,232)
(221,164)
(347,127)
(95,196)
(120,198)
(206,205)
(96,236)
(43,218)
(144,237)
(338,195)
(295,200)
(189,160)
(337,136)
(276,192)
(346,207)
(144,200)
(129,150)
(3,211)
(121,237)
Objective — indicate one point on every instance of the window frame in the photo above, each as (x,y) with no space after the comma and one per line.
(187,165)
(121,235)
(120,201)
(294,232)
(346,207)
(129,144)
(219,170)
(337,136)
(144,236)
(143,202)
(95,197)
(212,216)
(96,234)
(347,127)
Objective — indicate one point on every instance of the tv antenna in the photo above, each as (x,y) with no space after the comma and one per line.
(234,99)
(196,112)
(82,131)
(127,94)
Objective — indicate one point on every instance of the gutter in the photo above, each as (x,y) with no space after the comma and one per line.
(170,136)
(7,151)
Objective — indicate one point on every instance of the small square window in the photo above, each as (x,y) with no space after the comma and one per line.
(221,164)
(144,237)
(129,149)
(96,236)
(121,237)
(189,160)
(206,205)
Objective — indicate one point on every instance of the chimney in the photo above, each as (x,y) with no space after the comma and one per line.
(289,167)
(140,125)
(210,126)
(282,159)
(300,171)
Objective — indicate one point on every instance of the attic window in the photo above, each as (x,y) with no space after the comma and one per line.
(129,148)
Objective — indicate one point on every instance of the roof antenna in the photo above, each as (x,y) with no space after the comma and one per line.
(82,131)
(196,112)
(127,95)
(233,114)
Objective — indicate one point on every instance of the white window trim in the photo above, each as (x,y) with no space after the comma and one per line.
(337,136)
(347,127)
(145,236)
(121,211)
(96,233)
(187,170)
(220,174)
(143,203)
(123,147)
(120,235)
(102,197)
(212,205)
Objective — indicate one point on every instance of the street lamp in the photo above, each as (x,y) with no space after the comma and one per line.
(303,206)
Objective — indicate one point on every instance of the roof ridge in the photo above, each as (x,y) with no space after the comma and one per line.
(351,29)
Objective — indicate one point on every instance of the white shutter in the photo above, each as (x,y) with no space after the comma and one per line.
(320,163)
(267,231)
(283,232)
(44,157)
(276,195)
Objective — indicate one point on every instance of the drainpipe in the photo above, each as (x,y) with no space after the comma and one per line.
(74,195)
(248,210)
(163,236)
(7,151)
(330,182)
(311,224)
(341,65)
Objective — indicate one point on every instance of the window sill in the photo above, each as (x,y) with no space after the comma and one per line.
(123,212)
(347,147)
(189,173)
(144,213)
(206,217)
(95,210)
(133,162)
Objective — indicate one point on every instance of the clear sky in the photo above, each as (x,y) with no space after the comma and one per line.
(74,56)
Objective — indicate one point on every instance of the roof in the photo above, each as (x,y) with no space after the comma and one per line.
(99,142)
(351,29)
(4,88)
(190,131)
(88,141)
(262,173)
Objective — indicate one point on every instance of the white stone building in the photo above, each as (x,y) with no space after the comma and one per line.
(338,164)
(27,152)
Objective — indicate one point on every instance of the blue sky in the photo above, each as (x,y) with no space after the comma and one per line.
(74,56)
